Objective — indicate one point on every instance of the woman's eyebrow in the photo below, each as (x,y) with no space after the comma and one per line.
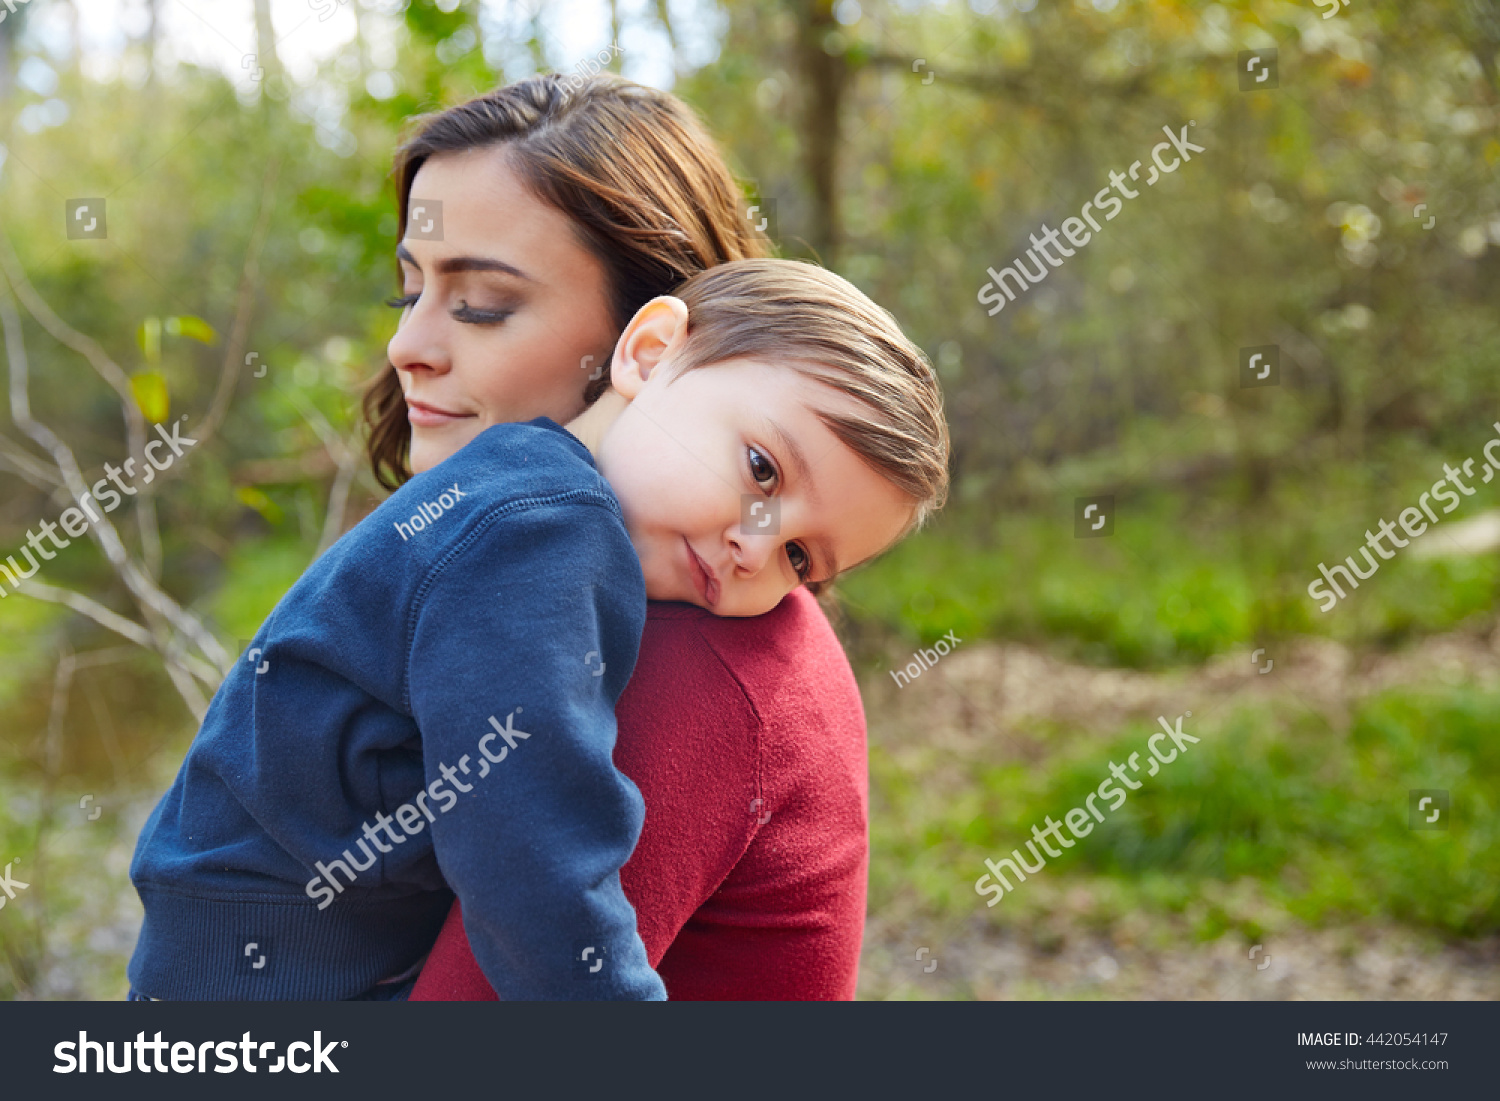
(454,264)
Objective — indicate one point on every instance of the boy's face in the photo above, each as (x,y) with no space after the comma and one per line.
(694,453)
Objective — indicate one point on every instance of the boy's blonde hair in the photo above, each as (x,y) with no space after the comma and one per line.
(800,315)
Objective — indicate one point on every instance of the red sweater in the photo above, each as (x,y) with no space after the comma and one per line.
(747,740)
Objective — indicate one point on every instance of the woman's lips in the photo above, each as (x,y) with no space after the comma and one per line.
(421,415)
(703,578)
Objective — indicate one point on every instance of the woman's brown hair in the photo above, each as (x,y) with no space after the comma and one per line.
(632,167)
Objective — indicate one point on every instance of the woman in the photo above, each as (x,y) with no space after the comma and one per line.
(536,219)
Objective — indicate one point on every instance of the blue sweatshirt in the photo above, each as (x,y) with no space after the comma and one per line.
(430,706)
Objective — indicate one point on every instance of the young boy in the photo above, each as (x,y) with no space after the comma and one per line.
(431,705)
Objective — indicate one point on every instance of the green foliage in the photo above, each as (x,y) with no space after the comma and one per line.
(1317,818)
(1118,375)
(1174,584)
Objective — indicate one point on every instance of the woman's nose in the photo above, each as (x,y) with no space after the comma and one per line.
(418,343)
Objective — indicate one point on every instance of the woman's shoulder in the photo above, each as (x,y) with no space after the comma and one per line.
(795,630)
(787,663)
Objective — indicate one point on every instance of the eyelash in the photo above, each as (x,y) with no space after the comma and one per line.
(806,567)
(465,313)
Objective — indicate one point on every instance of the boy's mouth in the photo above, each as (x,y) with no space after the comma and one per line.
(703,577)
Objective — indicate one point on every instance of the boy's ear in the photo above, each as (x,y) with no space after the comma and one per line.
(656,332)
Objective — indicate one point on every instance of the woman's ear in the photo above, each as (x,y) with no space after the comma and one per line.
(656,333)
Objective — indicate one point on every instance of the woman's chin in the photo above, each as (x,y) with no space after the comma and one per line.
(430,446)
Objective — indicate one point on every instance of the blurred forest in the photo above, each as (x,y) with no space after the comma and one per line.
(1348,213)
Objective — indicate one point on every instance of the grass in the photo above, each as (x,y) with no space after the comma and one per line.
(1316,817)
(1179,581)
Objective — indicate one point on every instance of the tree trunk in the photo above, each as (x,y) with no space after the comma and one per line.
(825,76)
(153,23)
(361,47)
(265,40)
(10,31)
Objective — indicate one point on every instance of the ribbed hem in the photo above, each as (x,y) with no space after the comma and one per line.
(203,949)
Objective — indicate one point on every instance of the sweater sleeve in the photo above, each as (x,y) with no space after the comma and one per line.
(519,645)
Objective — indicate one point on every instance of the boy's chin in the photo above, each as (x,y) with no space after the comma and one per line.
(674,596)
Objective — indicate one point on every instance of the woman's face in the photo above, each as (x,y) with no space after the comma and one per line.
(505,317)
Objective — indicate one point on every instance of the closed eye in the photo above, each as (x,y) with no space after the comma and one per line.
(470,316)
(464,312)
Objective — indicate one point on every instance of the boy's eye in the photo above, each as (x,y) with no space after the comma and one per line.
(761,468)
(799,560)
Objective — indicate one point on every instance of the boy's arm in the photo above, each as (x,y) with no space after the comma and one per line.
(519,648)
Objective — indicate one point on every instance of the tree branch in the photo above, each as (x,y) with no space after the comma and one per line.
(83,605)
(1020,87)
(108,370)
(239,333)
(344,453)
(147,593)
(15,458)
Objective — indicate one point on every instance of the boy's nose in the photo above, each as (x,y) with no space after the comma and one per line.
(752,551)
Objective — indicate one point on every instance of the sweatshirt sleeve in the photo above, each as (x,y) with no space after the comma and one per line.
(519,645)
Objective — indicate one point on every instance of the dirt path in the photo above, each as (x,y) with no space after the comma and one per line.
(993,702)
(1368,964)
